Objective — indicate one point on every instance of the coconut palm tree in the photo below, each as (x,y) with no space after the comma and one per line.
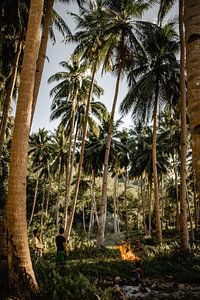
(150,84)
(21,275)
(122,49)
(40,156)
(51,17)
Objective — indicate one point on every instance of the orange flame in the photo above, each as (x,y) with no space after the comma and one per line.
(126,252)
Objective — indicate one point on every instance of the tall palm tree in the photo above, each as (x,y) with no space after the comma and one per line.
(13,29)
(122,48)
(40,155)
(192,63)
(51,17)
(74,85)
(165,6)
(19,255)
(150,83)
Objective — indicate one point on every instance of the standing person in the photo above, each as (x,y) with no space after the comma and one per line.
(61,247)
(37,244)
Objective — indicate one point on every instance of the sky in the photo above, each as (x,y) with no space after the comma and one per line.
(61,51)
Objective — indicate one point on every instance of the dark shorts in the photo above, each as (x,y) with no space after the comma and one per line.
(60,257)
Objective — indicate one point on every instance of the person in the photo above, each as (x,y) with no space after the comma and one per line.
(61,247)
(37,244)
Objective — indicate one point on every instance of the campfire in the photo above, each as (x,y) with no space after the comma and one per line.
(126,252)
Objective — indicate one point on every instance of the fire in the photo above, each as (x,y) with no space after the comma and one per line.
(126,252)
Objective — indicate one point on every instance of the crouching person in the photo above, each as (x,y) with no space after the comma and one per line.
(61,247)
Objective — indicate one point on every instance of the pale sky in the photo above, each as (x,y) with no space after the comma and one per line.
(61,51)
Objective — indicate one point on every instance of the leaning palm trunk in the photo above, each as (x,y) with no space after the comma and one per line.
(67,193)
(71,216)
(42,54)
(183,201)
(69,159)
(103,203)
(9,94)
(155,175)
(192,32)
(21,275)
(35,198)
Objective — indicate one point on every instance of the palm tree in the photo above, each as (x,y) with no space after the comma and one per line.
(123,46)
(191,40)
(165,6)
(19,255)
(150,84)
(50,17)
(14,23)
(40,155)
(77,82)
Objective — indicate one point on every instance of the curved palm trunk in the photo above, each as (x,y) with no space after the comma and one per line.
(34,199)
(9,95)
(155,175)
(67,194)
(69,160)
(41,54)
(183,197)
(103,203)
(192,32)
(21,275)
(71,216)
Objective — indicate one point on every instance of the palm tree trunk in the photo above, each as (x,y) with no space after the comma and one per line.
(183,201)
(143,194)
(125,199)
(58,194)
(177,193)
(192,30)
(41,54)
(21,275)
(42,208)
(9,94)
(190,215)
(69,160)
(155,175)
(49,190)
(35,198)
(71,216)
(103,203)
(149,205)
(115,206)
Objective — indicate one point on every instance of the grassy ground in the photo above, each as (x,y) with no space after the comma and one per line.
(95,273)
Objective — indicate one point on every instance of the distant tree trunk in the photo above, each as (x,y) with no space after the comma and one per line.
(143,192)
(125,200)
(71,216)
(49,190)
(9,94)
(93,212)
(21,275)
(115,206)
(42,54)
(177,193)
(183,201)
(58,194)
(190,215)
(69,167)
(35,198)
(149,206)
(155,175)
(103,202)
(42,208)
(84,228)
